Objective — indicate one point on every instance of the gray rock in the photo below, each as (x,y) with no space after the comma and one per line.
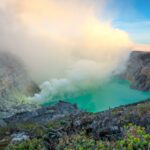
(15,85)
(138,70)
(45,114)
(19,137)
(2,123)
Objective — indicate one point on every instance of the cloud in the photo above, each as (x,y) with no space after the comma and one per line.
(137,30)
(63,41)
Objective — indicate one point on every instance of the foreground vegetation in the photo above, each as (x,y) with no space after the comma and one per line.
(135,138)
(86,131)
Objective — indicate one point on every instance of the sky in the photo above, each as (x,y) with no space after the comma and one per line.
(58,38)
(133,16)
(73,45)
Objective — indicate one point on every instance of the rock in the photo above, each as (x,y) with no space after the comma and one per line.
(138,70)
(19,137)
(2,123)
(52,138)
(4,142)
(15,84)
(106,126)
(45,114)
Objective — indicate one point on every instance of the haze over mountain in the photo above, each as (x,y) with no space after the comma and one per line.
(63,63)
(57,37)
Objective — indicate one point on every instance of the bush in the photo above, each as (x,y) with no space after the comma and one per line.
(34,144)
(135,138)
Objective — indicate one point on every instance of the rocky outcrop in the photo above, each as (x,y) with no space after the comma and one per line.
(15,84)
(29,119)
(138,70)
(45,114)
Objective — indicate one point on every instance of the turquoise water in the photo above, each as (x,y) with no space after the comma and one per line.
(113,93)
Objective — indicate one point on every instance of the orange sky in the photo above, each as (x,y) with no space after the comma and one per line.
(142,47)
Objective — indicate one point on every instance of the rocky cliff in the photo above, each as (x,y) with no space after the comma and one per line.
(138,70)
(15,84)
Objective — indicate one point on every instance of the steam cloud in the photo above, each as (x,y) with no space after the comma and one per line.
(64,42)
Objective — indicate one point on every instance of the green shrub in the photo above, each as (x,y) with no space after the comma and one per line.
(34,144)
(135,138)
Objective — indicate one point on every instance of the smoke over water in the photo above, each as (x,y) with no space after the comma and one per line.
(65,44)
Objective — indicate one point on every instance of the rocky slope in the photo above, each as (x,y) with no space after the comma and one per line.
(138,70)
(64,126)
(15,85)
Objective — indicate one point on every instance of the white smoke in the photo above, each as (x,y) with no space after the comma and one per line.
(63,41)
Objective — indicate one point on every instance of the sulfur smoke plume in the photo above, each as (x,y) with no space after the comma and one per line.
(66,43)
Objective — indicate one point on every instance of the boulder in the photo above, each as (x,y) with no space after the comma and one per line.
(19,137)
